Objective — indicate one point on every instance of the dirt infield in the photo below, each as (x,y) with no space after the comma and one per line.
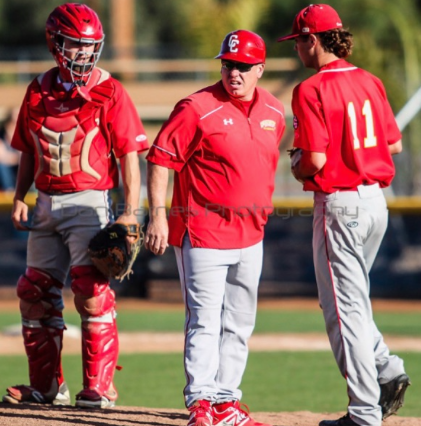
(38,415)
(174,342)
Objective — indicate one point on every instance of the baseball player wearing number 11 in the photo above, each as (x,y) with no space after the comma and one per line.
(347,134)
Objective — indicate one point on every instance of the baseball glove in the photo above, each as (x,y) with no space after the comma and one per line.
(295,156)
(111,253)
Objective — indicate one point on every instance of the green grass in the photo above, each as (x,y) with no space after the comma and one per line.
(278,321)
(297,381)
(268,321)
(274,381)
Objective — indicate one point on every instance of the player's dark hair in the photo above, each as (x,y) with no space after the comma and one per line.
(338,41)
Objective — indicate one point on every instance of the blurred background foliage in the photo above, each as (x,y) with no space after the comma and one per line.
(387,36)
(387,33)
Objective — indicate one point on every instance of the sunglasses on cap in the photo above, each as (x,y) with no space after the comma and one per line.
(237,65)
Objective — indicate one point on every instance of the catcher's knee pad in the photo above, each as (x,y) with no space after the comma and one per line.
(93,295)
(99,354)
(43,347)
(40,297)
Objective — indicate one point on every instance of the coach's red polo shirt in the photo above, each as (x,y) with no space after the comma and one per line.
(225,163)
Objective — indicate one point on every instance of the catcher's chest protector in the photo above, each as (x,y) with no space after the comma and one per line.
(70,135)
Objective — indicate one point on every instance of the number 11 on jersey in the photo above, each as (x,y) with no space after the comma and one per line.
(370,140)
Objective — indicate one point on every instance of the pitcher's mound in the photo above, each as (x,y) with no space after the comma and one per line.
(42,415)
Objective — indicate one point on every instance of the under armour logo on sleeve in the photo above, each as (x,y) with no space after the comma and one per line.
(228,121)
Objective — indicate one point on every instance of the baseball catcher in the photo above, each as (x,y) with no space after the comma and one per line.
(76,126)
(111,252)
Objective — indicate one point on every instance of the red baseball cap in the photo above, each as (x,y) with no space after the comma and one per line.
(315,18)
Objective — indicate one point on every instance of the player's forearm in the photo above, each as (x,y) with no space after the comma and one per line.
(395,148)
(25,176)
(310,164)
(130,173)
(157,190)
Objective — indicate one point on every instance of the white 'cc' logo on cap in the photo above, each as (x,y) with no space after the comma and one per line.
(232,43)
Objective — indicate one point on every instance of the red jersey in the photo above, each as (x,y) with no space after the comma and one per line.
(343,111)
(75,141)
(225,163)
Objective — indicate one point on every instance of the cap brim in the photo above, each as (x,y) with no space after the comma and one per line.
(288,37)
(235,58)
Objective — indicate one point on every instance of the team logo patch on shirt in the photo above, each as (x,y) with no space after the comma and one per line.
(268,125)
(141,138)
(295,122)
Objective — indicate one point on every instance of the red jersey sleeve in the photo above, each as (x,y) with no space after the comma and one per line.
(310,131)
(393,133)
(125,127)
(22,139)
(178,137)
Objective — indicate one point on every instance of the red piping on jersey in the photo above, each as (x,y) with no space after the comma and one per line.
(333,286)
(188,316)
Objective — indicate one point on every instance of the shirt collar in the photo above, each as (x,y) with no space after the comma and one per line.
(338,63)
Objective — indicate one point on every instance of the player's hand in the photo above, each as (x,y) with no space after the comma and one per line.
(128,219)
(156,237)
(20,215)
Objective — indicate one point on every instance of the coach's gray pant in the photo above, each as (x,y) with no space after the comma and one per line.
(220,294)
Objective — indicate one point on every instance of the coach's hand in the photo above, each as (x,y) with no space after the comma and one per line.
(156,237)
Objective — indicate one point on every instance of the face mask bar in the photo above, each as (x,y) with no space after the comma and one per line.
(80,69)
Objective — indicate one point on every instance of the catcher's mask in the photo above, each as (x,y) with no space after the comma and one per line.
(79,25)
(243,46)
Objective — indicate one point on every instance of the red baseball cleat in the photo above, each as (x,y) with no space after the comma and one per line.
(230,413)
(21,394)
(201,413)
(90,398)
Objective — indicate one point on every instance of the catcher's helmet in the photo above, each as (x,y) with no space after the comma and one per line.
(243,46)
(78,23)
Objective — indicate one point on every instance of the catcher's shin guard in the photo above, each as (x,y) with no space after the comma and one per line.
(42,329)
(95,302)
(99,353)
(43,348)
